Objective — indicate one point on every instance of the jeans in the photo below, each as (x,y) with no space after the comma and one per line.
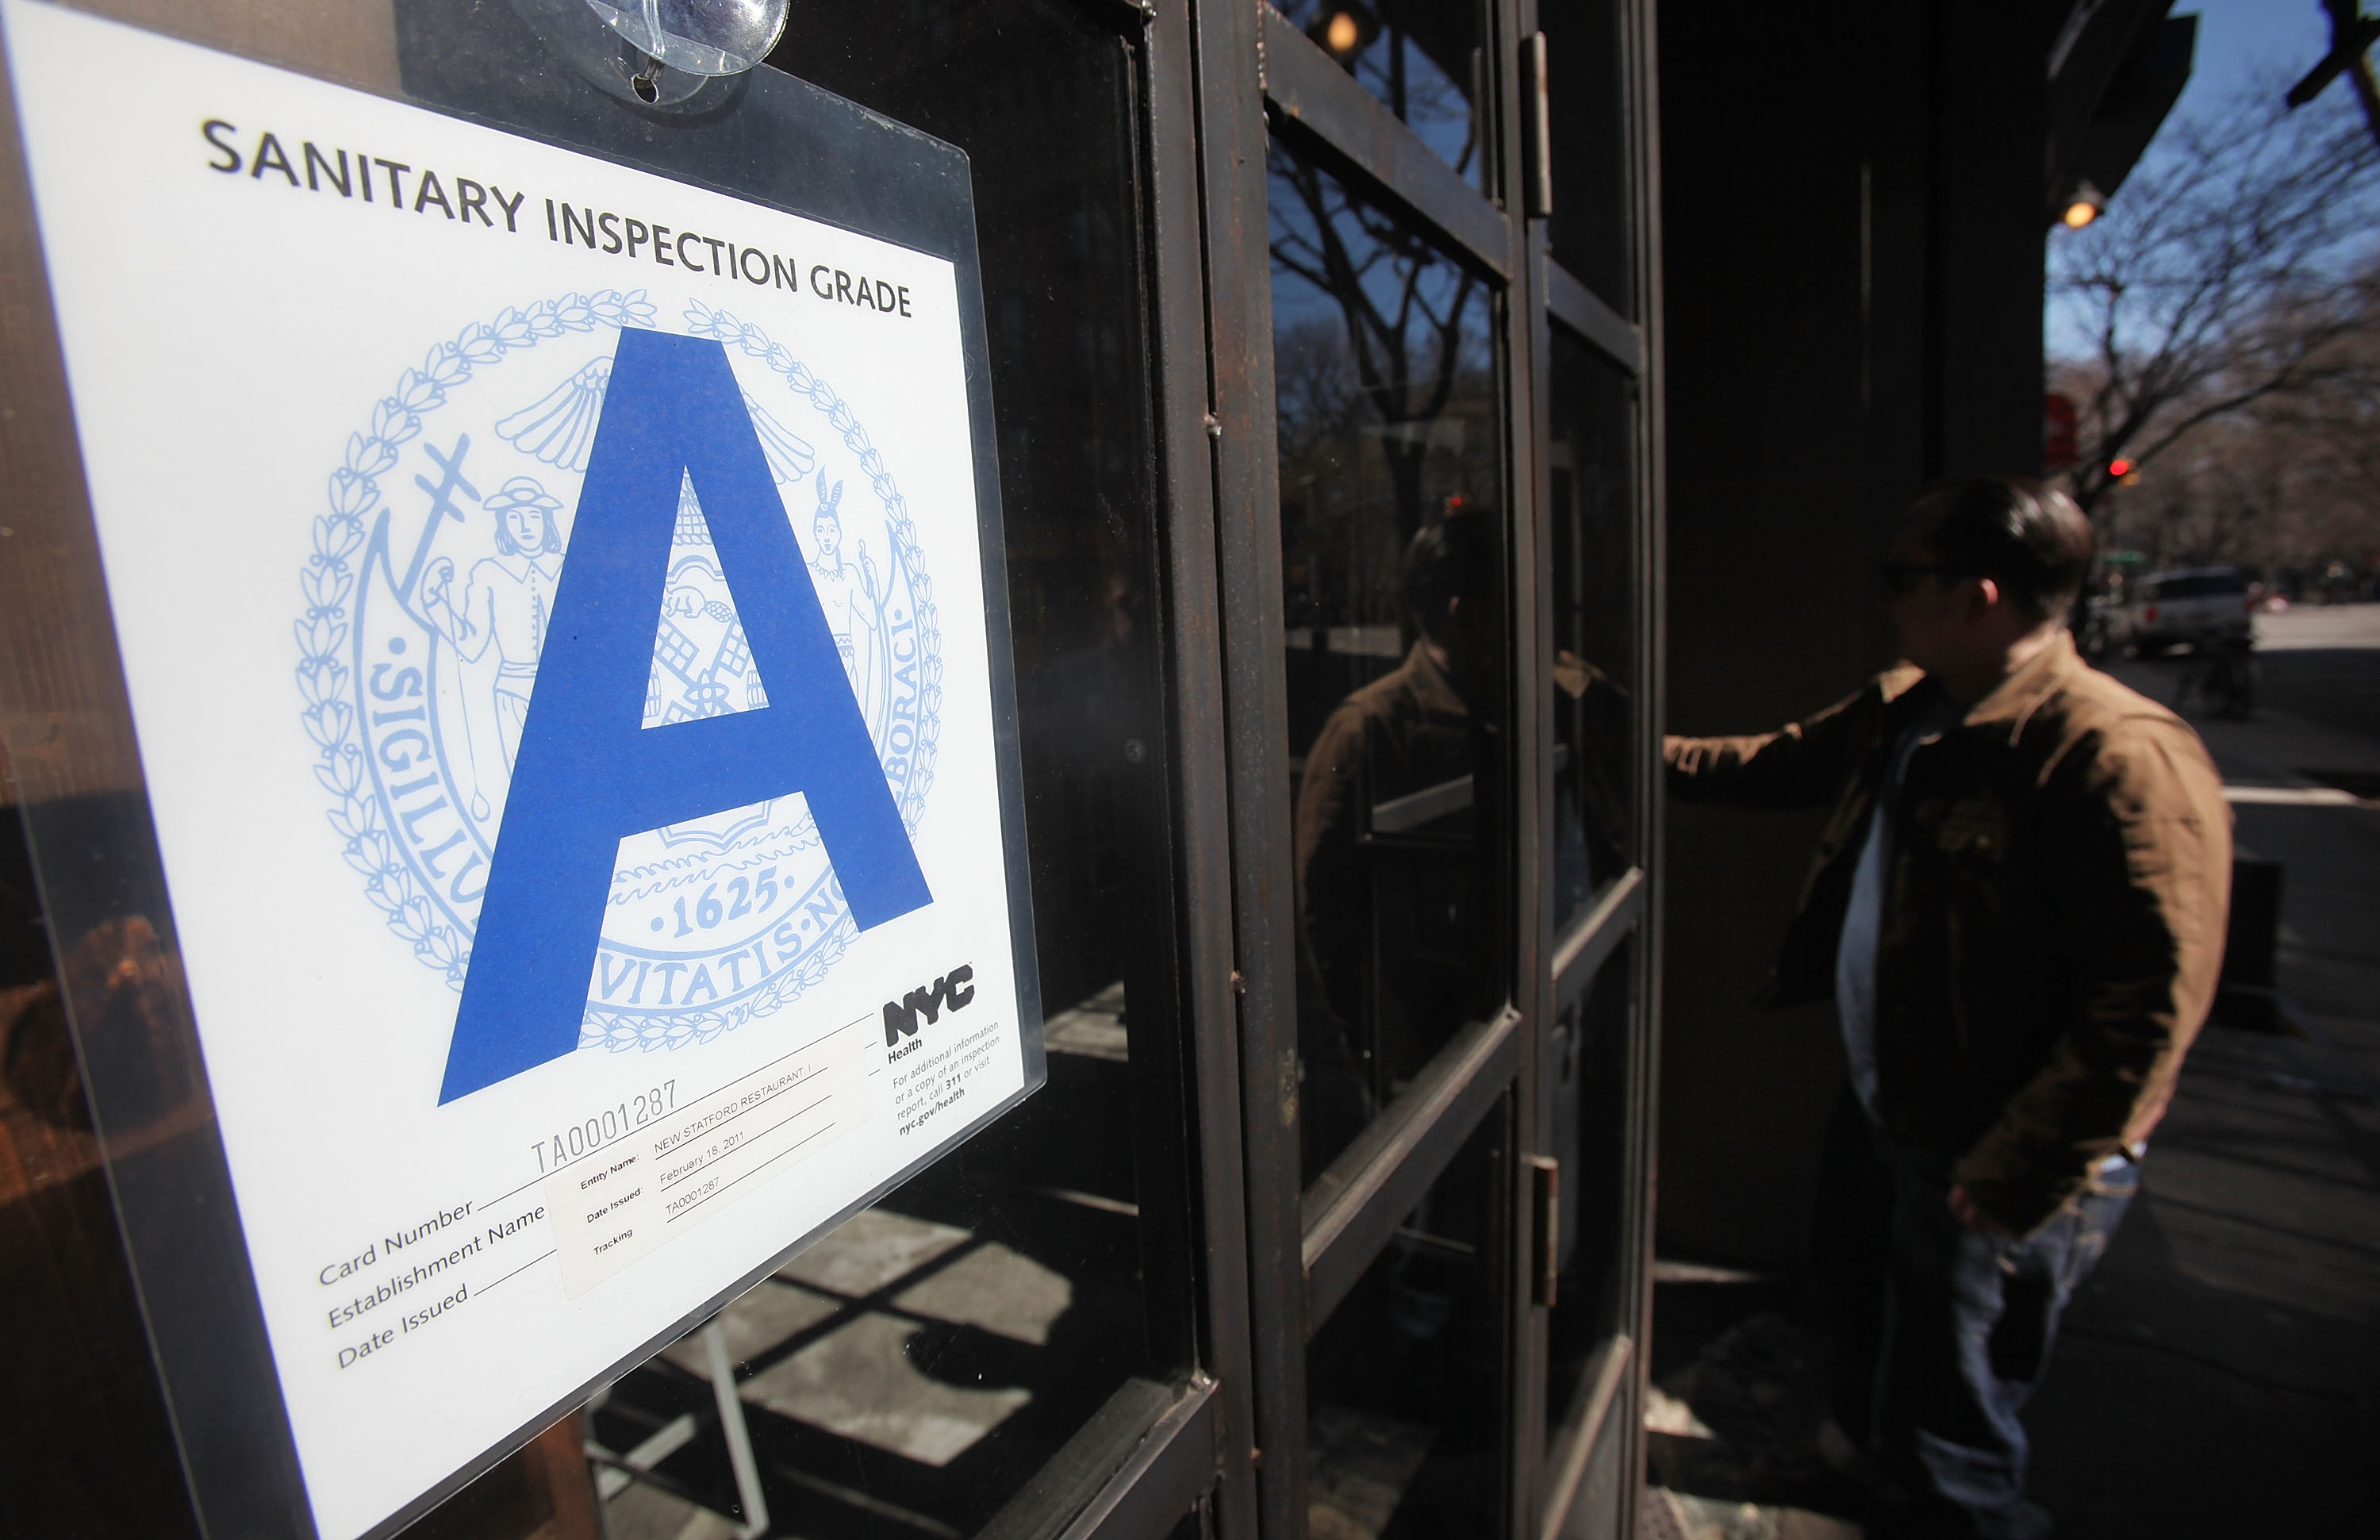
(1962,1325)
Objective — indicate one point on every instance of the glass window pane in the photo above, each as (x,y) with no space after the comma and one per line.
(1393,575)
(911,1372)
(1405,1383)
(1590,1070)
(1591,227)
(1593,512)
(1422,57)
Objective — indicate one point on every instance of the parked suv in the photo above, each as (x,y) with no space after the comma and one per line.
(2195,604)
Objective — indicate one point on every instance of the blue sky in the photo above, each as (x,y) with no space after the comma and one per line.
(2235,36)
(2237,40)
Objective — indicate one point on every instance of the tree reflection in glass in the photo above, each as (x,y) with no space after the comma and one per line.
(1421,57)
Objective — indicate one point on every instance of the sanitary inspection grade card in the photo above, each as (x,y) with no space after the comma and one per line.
(556,605)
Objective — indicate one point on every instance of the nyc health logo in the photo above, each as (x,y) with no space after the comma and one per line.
(431,606)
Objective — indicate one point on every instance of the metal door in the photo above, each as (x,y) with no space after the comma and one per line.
(1437,342)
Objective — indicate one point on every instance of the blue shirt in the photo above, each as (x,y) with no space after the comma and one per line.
(1863,918)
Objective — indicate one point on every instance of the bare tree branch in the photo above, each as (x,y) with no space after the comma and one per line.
(1404,304)
(2230,273)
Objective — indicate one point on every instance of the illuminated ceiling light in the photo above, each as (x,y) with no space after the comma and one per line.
(2083,205)
(1346,29)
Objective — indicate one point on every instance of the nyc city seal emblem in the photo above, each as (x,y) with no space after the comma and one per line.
(428,593)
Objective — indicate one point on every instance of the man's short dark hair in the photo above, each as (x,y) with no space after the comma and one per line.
(2028,539)
(1462,557)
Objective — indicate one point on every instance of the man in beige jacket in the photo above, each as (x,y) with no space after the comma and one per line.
(2017,905)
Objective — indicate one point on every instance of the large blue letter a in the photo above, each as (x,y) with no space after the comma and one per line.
(588,773)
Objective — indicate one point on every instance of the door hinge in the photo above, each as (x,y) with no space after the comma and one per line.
(1537,130)
(1544,1193)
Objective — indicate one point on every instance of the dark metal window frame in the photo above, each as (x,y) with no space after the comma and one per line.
(1307,1248)
(1609,1401)
(1154,1454)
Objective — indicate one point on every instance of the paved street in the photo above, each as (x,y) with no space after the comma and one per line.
(2316,727)
(2318,666)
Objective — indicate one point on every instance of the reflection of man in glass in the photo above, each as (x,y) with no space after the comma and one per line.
(1395,763)
(1590,804)
(507,602)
